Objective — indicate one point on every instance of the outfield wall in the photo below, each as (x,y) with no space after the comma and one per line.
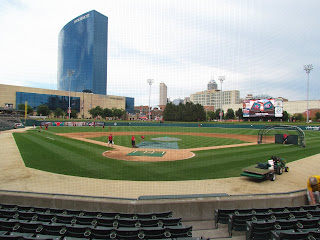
(30,122)
(189,208)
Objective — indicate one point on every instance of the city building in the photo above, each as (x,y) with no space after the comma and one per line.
(214,97)
(163,94)
(82,54)
(212,85)
(11,96)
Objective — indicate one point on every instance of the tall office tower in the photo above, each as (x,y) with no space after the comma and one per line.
(163,94)
(82,54)
(212,85)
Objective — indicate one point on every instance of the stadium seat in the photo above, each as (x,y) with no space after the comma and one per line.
(280,215)
(278,209)
(30,216)
(238,222)
(77,231)
(259,229)
(284,224)
(103,233)
(154,232)
(146,216)
(127,223)
(299,214)
(9,226)
(310,207)
(222,216)
(8,207)
(65,219)
(29,227)
(45,217)
(308,223)
(314,213)
(167,214)
(288,234)
(107,222)
(148,223)
(129,233)
(169,222)
(178,231)
(9,213)
(82,220)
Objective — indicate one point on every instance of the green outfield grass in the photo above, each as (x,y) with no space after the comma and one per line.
(184,143)
(48,152)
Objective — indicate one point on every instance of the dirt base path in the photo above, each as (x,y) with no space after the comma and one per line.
(120,152)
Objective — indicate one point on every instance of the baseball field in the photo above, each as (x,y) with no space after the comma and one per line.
(202,153)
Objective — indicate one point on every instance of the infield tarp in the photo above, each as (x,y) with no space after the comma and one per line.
(158,145)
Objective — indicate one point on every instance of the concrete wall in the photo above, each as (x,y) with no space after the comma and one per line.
(189,209)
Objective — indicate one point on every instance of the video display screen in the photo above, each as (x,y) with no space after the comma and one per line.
(263,108)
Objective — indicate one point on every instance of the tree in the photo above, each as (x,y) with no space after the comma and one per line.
(107,113)
(217,113)
(169,113)
(95,112)
(211,115)
(59,112)
(118,113)
(317,116)
(285,116)
(22,107)
(73,114)
(230,114)
(43,110)
(239,113)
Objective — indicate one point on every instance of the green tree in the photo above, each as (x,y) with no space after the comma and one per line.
(317,116)
(239,113)
(43,110)
(22,107)
(217,113)
(118,113)
(169,113)
(285,116)
(230,114)
(107,113)
(73,114)
(59,112)
(95,112)
(211,115)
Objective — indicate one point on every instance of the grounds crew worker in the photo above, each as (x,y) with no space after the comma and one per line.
(313,188)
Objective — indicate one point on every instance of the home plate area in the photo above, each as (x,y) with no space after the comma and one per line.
(147,153)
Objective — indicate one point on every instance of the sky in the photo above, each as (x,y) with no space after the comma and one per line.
(260,46)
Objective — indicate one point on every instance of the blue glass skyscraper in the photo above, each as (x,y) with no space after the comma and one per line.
(83,48)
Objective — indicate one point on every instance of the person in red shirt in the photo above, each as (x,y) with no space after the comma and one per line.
(110,140)
(133,141)
(285,138)
(142,138)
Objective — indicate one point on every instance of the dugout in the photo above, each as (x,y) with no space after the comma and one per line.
(295,134)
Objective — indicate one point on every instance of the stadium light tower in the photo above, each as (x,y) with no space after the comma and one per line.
(70,73)
(221,79)
(150,81)
(308,68)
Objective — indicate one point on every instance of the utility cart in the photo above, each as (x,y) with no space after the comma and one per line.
(266,171)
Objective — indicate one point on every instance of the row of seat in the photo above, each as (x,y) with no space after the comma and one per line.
(55,230)
(222,215)
(84,220)
(262,229)
(310,234)
(238,222)
(153,215)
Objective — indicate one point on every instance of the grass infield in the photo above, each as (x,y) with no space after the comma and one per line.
(48,152)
